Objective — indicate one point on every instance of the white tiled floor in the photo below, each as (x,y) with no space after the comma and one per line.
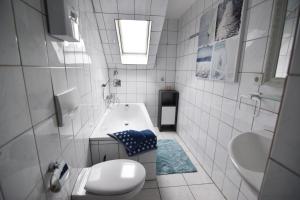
(188,186)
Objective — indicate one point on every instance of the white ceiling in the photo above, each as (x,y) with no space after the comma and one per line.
(177,7)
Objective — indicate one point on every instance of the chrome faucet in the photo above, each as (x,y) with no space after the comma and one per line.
(111,99)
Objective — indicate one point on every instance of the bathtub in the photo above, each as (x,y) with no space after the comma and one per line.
(120,117)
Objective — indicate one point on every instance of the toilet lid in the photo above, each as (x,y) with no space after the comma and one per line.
(115,177)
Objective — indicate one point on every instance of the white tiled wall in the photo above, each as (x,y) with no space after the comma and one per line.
(209,113)
(34,66)
(139,84)
(283,165)
(273,187)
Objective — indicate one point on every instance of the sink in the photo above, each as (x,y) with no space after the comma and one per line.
(249,153)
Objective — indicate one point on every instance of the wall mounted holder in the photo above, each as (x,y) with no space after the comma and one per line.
(59,174)
(63,20)
(254,97)
(258,98)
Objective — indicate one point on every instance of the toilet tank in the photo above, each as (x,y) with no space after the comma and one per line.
(63,19)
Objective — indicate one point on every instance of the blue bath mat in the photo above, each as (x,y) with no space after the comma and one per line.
(171,158)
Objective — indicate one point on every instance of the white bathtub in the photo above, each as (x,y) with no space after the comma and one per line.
(122,117)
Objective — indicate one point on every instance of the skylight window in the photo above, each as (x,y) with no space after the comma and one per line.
(134,39)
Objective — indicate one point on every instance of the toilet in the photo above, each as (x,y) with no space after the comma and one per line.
(110,180)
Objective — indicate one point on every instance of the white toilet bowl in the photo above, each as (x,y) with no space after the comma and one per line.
(110,180)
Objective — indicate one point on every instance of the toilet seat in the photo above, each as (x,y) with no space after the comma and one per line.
(115,177)
(110,180)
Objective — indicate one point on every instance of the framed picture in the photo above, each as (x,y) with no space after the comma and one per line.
(220,41)
(228,19)
(225,55)
(207,28)
(204,62)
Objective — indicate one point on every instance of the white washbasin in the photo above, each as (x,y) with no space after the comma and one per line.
(249,153)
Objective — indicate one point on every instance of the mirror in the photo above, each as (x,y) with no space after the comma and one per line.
(287,38)
(280,44)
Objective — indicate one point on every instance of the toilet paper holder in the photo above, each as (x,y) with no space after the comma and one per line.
(59,174)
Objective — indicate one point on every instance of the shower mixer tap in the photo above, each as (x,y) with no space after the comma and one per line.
(111,99)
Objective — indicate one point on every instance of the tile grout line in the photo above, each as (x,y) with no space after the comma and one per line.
(189,188)
(284,166)
(207,174)
(27,96)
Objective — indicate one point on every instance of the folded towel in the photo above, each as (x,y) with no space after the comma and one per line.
(136,142)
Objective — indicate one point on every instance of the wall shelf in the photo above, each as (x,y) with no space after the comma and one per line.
(167,110)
